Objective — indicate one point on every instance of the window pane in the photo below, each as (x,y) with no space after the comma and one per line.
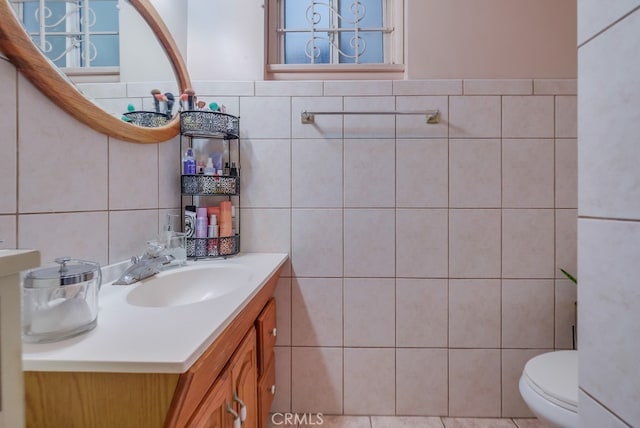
(31,16)
(296,43)
(369,45)
(367,12)
(305,15)
(362,17)
(106,15)
(106,51)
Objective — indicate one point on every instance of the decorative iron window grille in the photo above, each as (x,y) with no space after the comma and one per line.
(335,31)
(73,33)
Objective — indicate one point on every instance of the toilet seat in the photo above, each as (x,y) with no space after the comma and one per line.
(554,376)
(549,387)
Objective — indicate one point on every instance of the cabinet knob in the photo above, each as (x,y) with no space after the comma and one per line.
(272,390)
(274,332)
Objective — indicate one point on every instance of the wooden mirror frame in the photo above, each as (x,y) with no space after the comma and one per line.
(16,44)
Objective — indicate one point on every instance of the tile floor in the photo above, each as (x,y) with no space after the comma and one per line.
(327,421)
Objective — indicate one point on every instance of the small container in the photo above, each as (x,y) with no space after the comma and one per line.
(188,162)
(60,302)
(190,221)
(174,241)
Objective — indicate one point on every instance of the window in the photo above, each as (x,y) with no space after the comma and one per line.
(73,33)
(360,33)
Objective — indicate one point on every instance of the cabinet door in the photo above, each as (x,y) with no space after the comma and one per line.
(244,380)
(266,324)
(212,411)
(266,391)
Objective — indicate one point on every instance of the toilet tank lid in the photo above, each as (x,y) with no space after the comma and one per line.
(555,374)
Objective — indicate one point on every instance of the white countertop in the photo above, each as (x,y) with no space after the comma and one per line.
(137,339)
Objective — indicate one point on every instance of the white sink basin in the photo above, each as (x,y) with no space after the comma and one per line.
(189,285)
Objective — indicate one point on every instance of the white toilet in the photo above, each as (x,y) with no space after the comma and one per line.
(549,386)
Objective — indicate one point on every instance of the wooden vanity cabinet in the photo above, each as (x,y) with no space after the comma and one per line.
(244,381)
(235,388)
(240,360)
(213,412)
(267,333)
(236,352)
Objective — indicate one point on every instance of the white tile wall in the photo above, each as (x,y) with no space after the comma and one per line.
(527,313)
(592,414)
(316,312)
(609,186)
(8,125)
(474,243)
(316,380)
(473,390)
(324,257)
(62,164)
(369,312)
(474,313)
(608,304)
(369,173)
(498,87)
(422,382)
(608,293)
(421,243)
(421,173)
(411,245)
(527,116)
(527,173)
(475,172)
(366,394)
(141,192)
(475,117)
(369,243)
(8,231)
(594,16)
(421,313)
(317,173)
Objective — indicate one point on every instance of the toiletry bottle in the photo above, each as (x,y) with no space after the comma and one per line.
(201,222)
(233,171)
(189,162)
(213,210)
(209,169)
(174,241)
(190,221)
(225,220)
(201,232)
(212,244)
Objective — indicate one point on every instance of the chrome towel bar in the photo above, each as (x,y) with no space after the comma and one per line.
(431,116)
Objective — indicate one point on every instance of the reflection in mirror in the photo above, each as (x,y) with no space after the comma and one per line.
(73,33)
(16,43)
(98,44)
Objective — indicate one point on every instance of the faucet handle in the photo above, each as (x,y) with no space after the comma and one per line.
(154,248)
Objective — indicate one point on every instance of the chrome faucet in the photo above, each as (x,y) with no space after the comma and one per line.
(143,267)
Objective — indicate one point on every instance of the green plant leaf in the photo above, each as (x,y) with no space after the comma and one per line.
(568,275)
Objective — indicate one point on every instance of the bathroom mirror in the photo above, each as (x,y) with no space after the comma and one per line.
(18,47)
